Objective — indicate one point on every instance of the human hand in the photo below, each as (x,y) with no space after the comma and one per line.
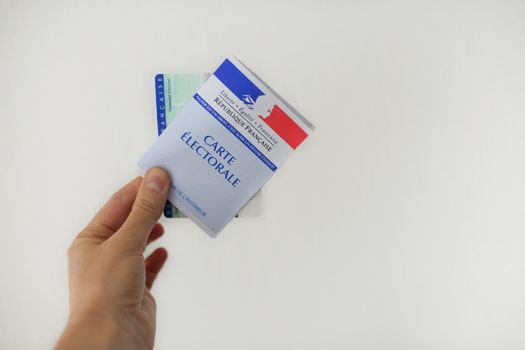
(111,306)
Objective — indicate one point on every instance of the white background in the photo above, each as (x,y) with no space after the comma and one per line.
(398,225)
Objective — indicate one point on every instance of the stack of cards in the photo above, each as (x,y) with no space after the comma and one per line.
(172,91)
(222,136)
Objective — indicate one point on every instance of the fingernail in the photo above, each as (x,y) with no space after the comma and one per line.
(156,180)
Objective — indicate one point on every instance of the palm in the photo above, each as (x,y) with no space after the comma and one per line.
(110,280)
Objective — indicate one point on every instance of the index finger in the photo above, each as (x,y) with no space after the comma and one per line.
(113,214)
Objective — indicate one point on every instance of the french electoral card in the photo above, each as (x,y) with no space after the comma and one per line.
(224,144)
(172,91)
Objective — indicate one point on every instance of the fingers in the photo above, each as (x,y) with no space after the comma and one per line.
(153,264)
(113,214)
(156,232)
(146,210)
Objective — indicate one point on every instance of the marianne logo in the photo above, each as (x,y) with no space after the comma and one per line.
(248,101)
(256,100)
(238,83)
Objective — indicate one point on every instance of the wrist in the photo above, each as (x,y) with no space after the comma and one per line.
(94,331)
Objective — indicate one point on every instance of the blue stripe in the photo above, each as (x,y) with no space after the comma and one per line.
(234,131)
(161,125)
(238,83)
(161,107)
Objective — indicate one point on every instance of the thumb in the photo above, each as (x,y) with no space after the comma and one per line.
(146,209)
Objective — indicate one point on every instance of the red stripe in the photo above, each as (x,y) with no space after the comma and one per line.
(285,127)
